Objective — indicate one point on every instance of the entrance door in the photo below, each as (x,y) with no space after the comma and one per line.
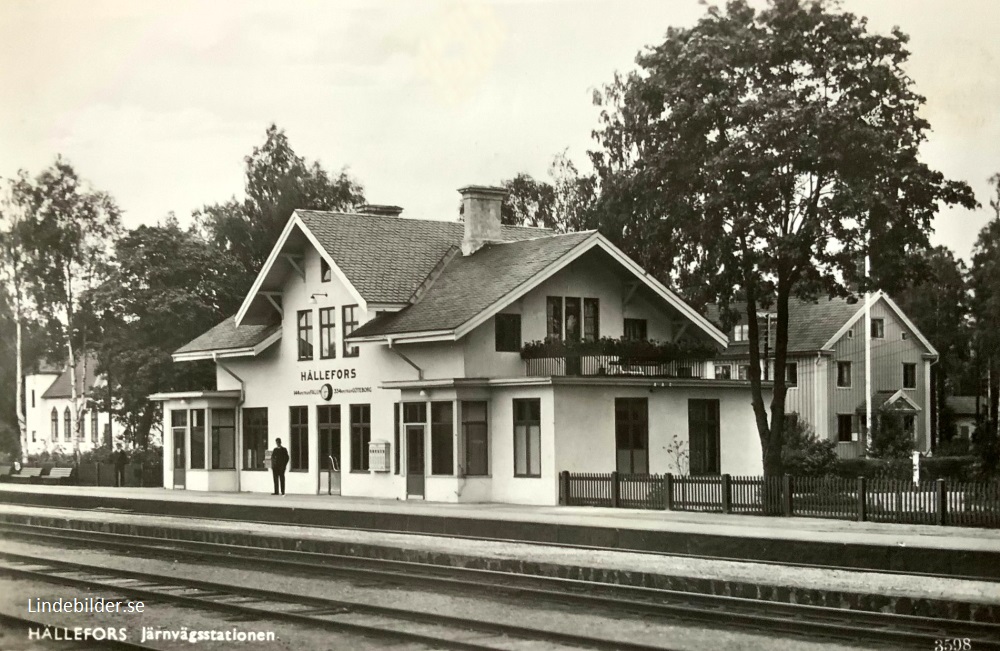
(632,435)
(180,458)
(415,460)
(703,436)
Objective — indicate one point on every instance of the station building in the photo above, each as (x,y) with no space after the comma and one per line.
(403,358)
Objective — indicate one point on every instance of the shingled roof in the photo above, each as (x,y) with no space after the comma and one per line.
(86,379)
(226,336)
(386,257)
(469,284)
(810,324)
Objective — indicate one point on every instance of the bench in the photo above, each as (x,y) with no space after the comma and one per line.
(27,475)
(57,476)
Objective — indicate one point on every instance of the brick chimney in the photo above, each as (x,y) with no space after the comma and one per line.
(481,211)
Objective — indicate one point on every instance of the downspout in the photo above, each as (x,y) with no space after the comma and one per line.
(420,371)
(238,417)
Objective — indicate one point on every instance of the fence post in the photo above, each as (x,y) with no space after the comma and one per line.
(726,494)
(668,491)
(564,487)
(142,474)
(97,474)
(862,500)
(786,495)
(942,502)
(615,490)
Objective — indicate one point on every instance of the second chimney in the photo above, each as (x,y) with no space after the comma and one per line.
(481,210)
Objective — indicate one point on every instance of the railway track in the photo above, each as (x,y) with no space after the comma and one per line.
(783,564)
(811,622)
(401,625)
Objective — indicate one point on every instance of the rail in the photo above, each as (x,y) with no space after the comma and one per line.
(964,504)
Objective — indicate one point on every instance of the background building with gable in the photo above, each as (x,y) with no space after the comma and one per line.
(50,419)
(825,371)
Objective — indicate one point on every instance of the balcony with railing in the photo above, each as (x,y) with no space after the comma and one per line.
(616,358)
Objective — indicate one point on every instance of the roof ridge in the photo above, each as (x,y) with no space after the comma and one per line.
(542,237)
(433,274)
(412,219)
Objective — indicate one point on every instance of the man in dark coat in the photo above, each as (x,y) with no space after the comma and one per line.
(121,460)
(279,460)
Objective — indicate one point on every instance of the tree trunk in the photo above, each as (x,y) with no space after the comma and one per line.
(22,424)
(757,397)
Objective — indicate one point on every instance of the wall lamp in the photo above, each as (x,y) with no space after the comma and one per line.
(312,299)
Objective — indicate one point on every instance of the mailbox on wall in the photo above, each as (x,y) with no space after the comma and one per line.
(378,456)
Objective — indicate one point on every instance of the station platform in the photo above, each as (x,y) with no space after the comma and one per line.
(115,511)
(919,549)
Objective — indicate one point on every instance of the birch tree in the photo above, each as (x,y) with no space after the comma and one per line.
(68,233)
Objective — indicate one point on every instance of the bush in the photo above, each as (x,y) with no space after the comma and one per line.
(986,449)
(54,458)
(804,454)
(889,439)
(874,468)
(953,447)
(957,468)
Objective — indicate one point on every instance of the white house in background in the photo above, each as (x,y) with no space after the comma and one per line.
(386,354)
(51,422)
(825,369)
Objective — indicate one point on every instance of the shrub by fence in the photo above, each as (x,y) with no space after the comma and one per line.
(970,504)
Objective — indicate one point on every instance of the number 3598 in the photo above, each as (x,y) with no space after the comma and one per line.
(956,644)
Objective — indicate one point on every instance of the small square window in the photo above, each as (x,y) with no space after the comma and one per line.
(325,272)
(844,374)
(844,427)
(635,329)
(724,372)
(850,333)
(904,336)
(508,333)
(744,372)
(741,333)
(791,374)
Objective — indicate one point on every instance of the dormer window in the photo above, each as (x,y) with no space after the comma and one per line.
(325,272)
(741,333)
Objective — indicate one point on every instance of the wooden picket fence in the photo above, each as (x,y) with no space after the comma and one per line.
(966,504)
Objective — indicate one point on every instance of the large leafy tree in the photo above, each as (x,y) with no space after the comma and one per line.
(764,154)
(564,204)
(278,181)
(67,230)
(985,281)
(164,287)
(939,305)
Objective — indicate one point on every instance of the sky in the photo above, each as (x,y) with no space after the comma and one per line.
(157,103)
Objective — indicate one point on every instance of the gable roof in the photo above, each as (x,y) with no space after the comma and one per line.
(227,338)
(61,386)
(964,405)
(470,284)
(471,289)
(385,257)
(814,326)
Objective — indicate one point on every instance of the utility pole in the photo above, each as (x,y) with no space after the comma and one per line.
(868,356)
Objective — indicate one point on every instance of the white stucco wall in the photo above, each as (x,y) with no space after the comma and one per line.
(585,426)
